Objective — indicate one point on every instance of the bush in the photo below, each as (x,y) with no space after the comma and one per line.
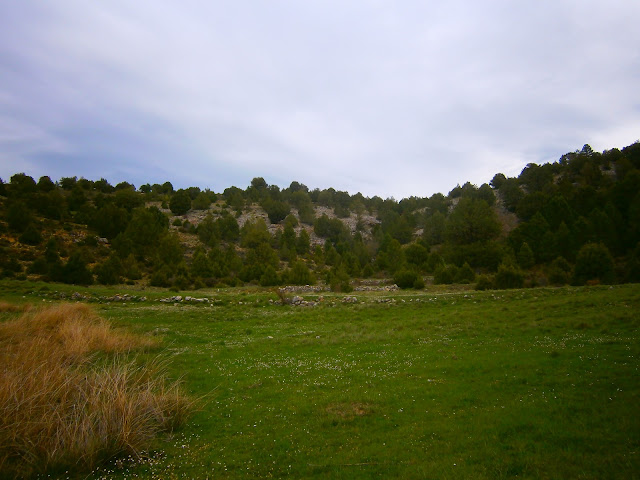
(594,263)
(406,278)
(445,275)
(180,203)
(201,202)
(465,274)
(419,283)
(339,281)
(75,271)
(299,274)
(108,272)
(161,277)
(484,282)
(270,277)
(509,276)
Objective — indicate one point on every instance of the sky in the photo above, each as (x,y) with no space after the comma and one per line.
(388,98)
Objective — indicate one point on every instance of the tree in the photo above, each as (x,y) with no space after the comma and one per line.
(559,272)
(434,227)
(485,192)
(511,193)
(128,199)
(276,210)
(445,274)
(417,255)
(303,242)
(31,236)
(108,272)
(465,274)
(208,231)
(390,255)
(67,183)
(110,220)
(228,228)
(526,259)
(103,186)
(471,221)
(201,265)
(18,216)
(254,233)
(508,276)
(145,229)
(408,278)
(594,263)
(299,274)
(76,272)
(556,211)
(270,277)
(180,202)
(201,202)
(22,185)
(45,184)
(169,250)
(531,204)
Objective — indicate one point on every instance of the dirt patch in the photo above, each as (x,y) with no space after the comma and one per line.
(349,410)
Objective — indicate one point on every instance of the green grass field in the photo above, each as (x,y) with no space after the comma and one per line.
(538,383)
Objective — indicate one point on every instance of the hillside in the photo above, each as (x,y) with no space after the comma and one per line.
(576,220)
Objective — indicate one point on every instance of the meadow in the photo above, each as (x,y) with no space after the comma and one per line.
(535,383)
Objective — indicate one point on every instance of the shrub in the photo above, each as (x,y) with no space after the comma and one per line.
(445,274)
(434,261)
(270,277)
(484,282)
(299,274)
(59,411)
(339,281)
(465,274)
(509,276)
(75,271)
(201,202)
(406,278)
(180,202)
(108,272)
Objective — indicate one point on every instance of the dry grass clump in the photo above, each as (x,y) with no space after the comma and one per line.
(60,408)
(11,307)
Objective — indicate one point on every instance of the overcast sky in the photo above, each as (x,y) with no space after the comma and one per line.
(389,98)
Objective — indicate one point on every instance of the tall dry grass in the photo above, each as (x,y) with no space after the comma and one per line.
(63,407)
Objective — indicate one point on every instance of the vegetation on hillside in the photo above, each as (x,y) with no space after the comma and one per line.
(573,221)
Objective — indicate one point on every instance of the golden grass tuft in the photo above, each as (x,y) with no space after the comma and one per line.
(11,307)
(62,409)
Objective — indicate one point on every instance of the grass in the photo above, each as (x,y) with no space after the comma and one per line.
(63,407)
(539,383)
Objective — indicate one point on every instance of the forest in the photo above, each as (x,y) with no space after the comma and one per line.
(574,221)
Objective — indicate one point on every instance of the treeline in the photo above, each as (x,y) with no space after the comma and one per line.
(576,221)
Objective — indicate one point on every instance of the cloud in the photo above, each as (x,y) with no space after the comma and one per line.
(396,99)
